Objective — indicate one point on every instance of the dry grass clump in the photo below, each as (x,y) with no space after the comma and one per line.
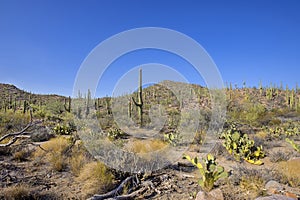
(77,161)
(21,155)
(146,146)
(231,192)
(261,135)
(291,172)
(279,156)
(17,192)
(96,178)
(252,185)
(245,183)
(54,152)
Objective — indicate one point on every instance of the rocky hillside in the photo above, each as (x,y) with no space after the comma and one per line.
(9,94)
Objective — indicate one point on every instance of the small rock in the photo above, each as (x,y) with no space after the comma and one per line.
(295,158)
(41,134)
(275,197)
(273,187)
(215,194)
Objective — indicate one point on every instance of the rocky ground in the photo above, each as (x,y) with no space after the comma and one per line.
(178,181)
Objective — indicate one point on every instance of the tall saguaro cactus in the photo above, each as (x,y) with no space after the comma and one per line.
(139,103)
(68,102)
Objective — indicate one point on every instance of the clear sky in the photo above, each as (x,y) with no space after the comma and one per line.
(43,43)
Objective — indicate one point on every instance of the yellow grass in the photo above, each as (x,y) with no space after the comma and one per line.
(77,161)
(96,178)
(53,152)
(146,146)
(261,134)
(16,192)
(291,170)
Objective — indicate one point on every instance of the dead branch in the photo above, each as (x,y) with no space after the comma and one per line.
(113,192)
(140,189)
(13,140)
(145,185)
(20,134)
(38,145)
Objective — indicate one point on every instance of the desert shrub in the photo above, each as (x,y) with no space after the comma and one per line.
(173,137)
(249,182)
(76,163)
(115,134)
(231,192)
(55,107)
(21,155)
(248,113)
(64,129)
(39,111)
(199,135)
(54,152)
(252,185)
(96,178)
(17,192)
(77,160)
(13,121)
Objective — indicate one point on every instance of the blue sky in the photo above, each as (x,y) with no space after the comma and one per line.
(43,43)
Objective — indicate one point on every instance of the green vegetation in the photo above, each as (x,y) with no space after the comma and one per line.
(240,146)
(259,123)
(115,134)
(139,103)
(209,170)
(64,129)
(294,145)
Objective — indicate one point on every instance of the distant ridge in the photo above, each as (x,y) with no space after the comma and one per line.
(11,91)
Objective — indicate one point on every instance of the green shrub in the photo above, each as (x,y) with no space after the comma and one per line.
(115,134)
(64,129)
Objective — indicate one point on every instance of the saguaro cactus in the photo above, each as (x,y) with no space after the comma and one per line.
(129,108)
(108,107)
(25,106)
(88,100)
(139,103)
(68,108)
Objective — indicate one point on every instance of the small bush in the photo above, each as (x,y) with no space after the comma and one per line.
(115,134)
(96,178)
(17,192)
(63,129)
(252,185)
(250,182)
(13,121)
